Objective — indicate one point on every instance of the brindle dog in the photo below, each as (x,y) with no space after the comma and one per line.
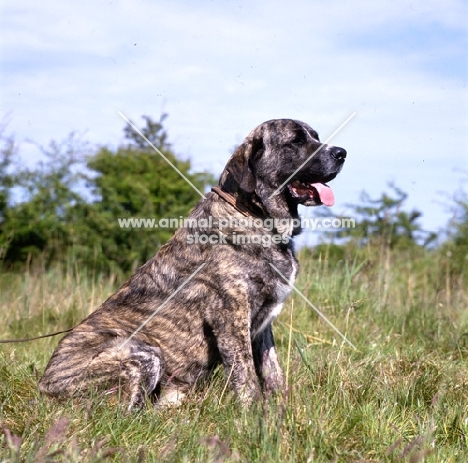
(168,327)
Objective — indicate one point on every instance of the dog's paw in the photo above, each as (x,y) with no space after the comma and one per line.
(170,398)
(249,394)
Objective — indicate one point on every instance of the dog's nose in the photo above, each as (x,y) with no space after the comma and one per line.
(338,153)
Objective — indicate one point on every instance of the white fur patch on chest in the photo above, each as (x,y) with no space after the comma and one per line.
(282,291)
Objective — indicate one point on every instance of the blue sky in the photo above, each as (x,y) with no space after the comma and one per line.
(221,68)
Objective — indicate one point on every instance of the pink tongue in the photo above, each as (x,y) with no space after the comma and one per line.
(325,193)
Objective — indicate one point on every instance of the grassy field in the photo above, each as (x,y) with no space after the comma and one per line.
(402,396)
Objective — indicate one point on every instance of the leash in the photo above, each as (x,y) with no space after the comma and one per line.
(8,341)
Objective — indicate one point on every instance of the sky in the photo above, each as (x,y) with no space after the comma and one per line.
(218,69)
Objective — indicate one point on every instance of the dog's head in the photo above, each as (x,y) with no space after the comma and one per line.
(280,165)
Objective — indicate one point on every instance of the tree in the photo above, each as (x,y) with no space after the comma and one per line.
(136,182)
(68,206)
(38,223)
(457,245)
(6,182)
(153,132)
(384,222)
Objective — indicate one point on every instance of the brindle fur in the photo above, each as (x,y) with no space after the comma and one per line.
(224,313)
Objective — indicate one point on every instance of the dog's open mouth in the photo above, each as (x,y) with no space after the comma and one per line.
(310,194)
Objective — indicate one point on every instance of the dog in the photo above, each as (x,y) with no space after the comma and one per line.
(207,297)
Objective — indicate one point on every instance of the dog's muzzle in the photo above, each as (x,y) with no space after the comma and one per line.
(315,193)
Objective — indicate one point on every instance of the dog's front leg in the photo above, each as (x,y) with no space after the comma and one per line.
(235,348)
(266,361)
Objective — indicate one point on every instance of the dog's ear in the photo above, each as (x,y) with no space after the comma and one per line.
(242,163)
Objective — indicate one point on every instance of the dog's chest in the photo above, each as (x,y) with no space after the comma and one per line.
(282,290)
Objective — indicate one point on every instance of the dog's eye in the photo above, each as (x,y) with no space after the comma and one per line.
(299,138)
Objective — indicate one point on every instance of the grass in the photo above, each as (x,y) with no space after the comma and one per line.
(402,396)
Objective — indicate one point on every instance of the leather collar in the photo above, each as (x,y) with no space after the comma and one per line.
(233,202)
